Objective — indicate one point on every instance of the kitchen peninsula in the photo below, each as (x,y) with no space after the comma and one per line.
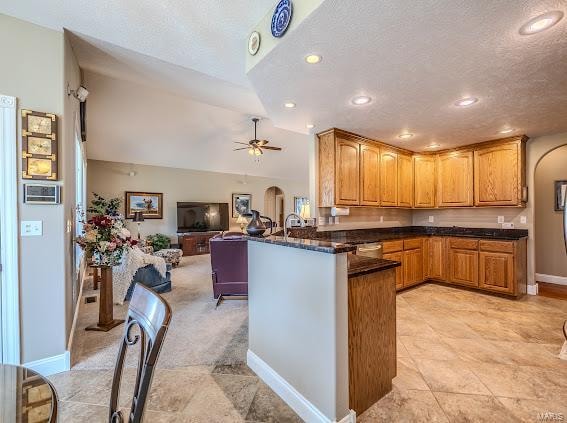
(321,325)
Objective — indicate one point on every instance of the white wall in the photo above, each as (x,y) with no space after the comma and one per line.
(38,81)
(111,179)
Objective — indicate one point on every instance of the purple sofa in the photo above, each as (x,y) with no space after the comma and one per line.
(229,262)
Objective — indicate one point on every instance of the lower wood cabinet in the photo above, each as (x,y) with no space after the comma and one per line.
(412,263)
(436,259)
(463,267)
(397,256)
(496,271)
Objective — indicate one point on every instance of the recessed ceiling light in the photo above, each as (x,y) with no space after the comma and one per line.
(433,145)
(405,135)
(507,131)
(310,126)
(313,59)
(360,100)
(541,22)
(289,105)
(465,102)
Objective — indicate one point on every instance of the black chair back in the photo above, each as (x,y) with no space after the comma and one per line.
(151,314)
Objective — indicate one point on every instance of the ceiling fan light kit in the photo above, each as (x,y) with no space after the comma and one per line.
(256,147)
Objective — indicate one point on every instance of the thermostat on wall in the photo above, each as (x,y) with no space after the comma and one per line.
(42,194)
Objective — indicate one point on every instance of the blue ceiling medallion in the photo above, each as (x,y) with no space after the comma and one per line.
(281,18)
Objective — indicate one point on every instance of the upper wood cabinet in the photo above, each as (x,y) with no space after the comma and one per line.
(455,179)
(499,174)
(425,181)
(388,178)
(405,181)
(347,173)
(369,175)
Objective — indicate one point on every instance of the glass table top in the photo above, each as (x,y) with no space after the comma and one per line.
(26,396)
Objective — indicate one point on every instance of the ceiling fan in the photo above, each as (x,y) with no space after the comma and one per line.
(255,147)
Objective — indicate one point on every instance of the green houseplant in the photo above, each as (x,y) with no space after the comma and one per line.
(158,241)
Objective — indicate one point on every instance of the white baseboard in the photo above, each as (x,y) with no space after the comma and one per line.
(51,365)
(532,289)
(301,405)
(559,280)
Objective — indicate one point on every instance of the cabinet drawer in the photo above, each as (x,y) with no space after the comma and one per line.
(412,244)
(497,246)
(392,246)
(463,243)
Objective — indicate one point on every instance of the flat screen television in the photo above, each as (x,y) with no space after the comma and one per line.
(202,217)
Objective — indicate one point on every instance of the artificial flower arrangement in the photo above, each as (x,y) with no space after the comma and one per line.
(104,236)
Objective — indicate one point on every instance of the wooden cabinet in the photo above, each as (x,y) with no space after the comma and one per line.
(425,181)
(499,264)
(405,181)
(499,174)
(412,264)
(369,175)
(388,178)
(455,179)
(195,243)
(463,261)
(437,261)
(347,172)
(397,256)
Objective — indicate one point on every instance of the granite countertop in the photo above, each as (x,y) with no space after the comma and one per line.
(321,246)
(364,236)
(361,265)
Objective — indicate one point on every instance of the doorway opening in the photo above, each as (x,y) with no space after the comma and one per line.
(274,205)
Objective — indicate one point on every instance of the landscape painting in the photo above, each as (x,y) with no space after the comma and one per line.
(149,203)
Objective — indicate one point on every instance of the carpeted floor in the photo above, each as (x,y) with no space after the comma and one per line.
(201,374)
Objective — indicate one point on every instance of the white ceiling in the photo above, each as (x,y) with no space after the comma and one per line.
(415,58)
(133,123)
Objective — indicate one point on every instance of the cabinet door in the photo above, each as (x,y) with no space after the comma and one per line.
(463,267)
(398,256)
(369,175)
(347,173)
(497,272)
(412,264)
(405,181)
(424,181)
(497,175)
(388,178)
(455,179)
(437,258)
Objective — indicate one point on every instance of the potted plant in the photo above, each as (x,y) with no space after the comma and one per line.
(158,241)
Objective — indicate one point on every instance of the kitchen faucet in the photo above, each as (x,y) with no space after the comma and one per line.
(301,222)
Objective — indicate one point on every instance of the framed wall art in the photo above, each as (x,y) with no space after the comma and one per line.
(241,204)
(560,195)
(39,145)
(149,203)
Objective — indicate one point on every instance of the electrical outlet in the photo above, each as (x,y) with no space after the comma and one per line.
(500,219)
(523,220)
(508,225)
(31,228)
(381,219)
(431,219)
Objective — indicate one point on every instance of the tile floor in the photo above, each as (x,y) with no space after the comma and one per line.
(462,357)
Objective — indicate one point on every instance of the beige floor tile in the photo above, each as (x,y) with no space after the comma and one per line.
(408,376)
(77,412)
(465,408)
(450,376)
(405,407)
(433,348)
(414,327)
(400,348)
(536,410)
(268,407)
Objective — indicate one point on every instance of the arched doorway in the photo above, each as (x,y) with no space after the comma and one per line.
(550,251)
(274,205)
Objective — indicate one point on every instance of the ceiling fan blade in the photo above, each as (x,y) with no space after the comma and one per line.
(272,148)
(243,143)
(262,142)
(243,148)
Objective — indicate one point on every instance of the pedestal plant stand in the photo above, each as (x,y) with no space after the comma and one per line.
(106,320)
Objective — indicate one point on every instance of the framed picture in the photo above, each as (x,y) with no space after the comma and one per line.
(560,195)
(298,202)
(39,145)
(149,203)
(241,204)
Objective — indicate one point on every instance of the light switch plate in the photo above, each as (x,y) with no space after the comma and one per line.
(523,219)
(508,225)
(431,219)
(31,228)
(500,219)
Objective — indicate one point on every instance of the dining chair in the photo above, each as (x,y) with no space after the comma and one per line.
(149,315)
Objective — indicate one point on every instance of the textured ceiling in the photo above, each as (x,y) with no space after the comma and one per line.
(206,36)
(133,123)
(415,59)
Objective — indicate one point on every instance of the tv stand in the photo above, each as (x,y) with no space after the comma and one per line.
(195,243)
